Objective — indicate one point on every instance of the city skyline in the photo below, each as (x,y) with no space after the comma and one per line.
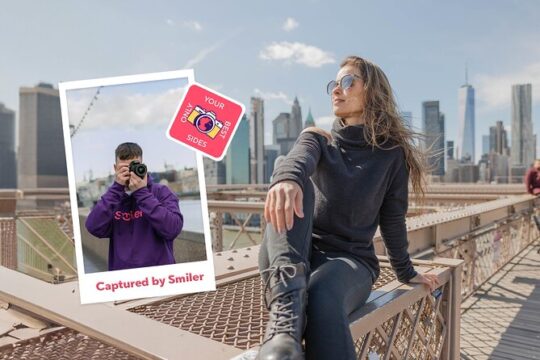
(467,109)
(423,60)
(165,91)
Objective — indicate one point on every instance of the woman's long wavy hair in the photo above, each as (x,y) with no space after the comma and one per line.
(385,124)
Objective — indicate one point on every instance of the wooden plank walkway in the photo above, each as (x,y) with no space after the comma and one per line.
(502,319)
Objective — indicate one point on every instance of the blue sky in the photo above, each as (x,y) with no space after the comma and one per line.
(245,48)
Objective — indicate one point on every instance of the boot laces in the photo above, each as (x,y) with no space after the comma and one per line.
(284,318)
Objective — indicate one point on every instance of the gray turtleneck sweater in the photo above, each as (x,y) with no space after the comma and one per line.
(357,188)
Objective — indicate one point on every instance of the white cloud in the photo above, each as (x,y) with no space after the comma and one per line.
(296,52)
(495,91)
(201,55)
(268,95)
(193,25)
(128,112)
(325,122)
(290,24)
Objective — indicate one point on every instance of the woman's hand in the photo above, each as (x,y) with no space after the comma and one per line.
(283,201)
(431,280)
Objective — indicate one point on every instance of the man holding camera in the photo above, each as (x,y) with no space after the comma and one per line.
(140,218)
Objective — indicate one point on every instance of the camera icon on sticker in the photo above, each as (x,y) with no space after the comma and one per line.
(202,107)
(205,121)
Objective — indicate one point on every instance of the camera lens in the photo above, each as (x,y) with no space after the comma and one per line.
(137,168)
(140,170)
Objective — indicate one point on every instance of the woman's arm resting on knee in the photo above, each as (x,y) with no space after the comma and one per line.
(282,202)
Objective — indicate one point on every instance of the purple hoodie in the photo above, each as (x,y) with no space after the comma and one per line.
(141,226)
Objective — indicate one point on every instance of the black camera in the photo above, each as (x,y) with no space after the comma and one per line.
(137,168)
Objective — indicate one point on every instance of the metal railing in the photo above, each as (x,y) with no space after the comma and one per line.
(399,321)
(446,188)
(410,323)
(487,249)
(217,209)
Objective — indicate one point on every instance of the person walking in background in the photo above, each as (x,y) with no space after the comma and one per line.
(532,178)
(532,183)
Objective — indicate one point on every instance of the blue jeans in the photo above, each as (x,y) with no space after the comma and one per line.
(337,284)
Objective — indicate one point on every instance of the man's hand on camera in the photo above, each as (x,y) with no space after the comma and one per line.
(122,175)
(136,183)
(283,201)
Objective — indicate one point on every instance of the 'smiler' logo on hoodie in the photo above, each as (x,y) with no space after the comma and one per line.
(128,216)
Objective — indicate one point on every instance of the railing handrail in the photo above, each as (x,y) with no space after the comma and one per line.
(117,327)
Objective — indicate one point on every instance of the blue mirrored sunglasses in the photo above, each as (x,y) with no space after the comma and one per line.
(344,83)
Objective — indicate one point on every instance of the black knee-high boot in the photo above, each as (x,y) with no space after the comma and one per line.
(285,298)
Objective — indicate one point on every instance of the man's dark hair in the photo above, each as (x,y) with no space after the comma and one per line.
(128,150)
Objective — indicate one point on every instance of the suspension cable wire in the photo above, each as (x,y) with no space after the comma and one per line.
(92,102)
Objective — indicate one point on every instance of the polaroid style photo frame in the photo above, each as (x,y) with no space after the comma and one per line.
(138,200)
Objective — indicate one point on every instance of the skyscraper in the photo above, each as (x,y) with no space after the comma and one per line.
(499,167)
(287,127)
(433,128)
(451,169)
(214,171)
(296,119)
(41,156)
(485,144)
(309,120)
(271,153)
(237,158)
(499,154)
(498,139)
(440,143)
(465,140)
(450,150)
(256,141)
(8,160)
(523,151)
(280,132)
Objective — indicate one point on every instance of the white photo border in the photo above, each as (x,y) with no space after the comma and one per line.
(88,282)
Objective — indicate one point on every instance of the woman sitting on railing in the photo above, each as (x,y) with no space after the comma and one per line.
(323,207)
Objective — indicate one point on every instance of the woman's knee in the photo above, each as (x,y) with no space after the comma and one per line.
(325,296)
(338,284)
